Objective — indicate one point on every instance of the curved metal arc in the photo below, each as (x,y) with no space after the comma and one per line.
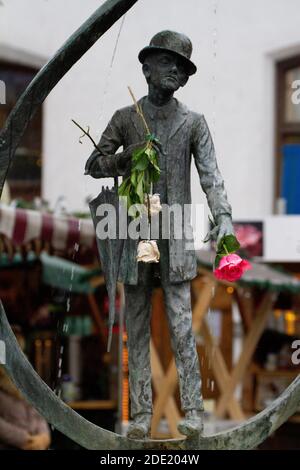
(54,410)
(248,435)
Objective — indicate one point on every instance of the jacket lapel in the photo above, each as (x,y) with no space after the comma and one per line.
(179,119)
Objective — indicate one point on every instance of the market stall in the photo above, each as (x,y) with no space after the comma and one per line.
(27,230)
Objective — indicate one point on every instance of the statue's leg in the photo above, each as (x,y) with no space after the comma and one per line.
(137,319)
(178,306)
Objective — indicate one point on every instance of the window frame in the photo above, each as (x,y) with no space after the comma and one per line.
(283,130)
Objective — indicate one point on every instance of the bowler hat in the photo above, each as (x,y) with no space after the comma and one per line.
(171,41)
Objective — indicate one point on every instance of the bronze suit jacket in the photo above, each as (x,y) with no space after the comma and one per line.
(189,136)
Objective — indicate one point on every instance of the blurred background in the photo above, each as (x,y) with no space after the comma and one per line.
(52,287)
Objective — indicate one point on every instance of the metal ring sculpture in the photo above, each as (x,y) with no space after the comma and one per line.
(247,435)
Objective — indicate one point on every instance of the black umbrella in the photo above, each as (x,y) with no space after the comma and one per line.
(109,248)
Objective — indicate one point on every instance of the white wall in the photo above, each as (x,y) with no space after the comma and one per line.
(238,104)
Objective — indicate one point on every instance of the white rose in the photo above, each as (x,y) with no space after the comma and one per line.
(148,251)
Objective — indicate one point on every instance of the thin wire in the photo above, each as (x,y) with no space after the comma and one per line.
(109,72)
(107,80)
(117,42)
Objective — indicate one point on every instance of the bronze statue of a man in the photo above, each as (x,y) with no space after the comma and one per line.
(182,134)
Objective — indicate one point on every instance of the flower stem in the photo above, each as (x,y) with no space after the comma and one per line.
(227,252)
(139,111)
(149,213)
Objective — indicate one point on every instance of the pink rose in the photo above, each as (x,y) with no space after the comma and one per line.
(231,268)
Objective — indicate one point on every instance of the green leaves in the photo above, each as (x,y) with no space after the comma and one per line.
(228,244)
(144,172)
(154,175)
(140,188)
(141,163)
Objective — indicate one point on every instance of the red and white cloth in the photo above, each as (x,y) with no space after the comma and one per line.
(22,226)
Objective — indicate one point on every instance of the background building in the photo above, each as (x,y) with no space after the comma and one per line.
(236,46)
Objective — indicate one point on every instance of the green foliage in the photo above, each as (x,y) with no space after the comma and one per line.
(228,244)
(144,172)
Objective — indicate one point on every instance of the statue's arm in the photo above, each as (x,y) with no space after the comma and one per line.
(107,162)
(211,179)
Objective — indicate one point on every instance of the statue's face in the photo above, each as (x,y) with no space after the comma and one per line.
(165,71)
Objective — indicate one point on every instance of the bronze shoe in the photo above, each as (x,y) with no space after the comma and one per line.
(140,427)
(192,423)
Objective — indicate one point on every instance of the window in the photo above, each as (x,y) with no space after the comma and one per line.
(287,171)
(24,177)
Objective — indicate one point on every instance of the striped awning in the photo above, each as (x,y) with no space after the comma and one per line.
(24,227)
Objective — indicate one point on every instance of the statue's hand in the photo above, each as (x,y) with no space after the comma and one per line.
(224,226)
(90,161)
(119,163)
(132,148)
(124,158)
